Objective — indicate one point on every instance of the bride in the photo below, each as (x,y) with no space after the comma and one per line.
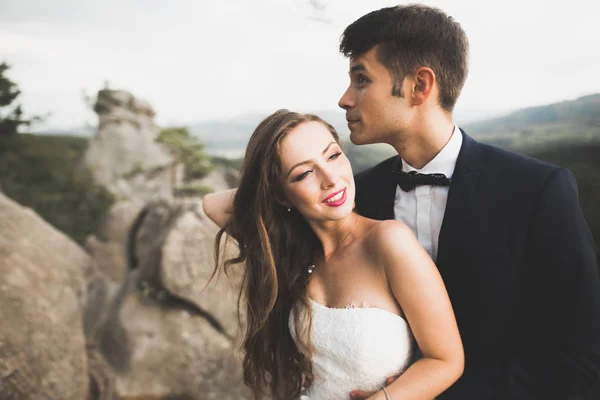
(334,301)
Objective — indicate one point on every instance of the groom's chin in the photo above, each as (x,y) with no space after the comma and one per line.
(358,138)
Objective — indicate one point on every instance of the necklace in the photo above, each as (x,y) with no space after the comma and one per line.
(312,267)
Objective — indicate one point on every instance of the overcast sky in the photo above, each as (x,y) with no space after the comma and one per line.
(197,60)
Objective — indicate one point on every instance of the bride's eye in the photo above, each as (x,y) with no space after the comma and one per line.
(335,155)
(302,176)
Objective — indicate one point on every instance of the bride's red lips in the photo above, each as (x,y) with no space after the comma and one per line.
(333,194)
(343,196)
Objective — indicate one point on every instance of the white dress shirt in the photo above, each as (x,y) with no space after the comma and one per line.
(422,209)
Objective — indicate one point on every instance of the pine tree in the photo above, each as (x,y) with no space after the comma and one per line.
(11,119)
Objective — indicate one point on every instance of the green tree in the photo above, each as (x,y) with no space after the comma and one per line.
(187,150)
(13,118)
(45,173)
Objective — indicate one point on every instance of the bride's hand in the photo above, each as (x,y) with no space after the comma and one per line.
(362,395)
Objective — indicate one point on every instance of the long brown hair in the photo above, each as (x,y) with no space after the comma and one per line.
(276,247)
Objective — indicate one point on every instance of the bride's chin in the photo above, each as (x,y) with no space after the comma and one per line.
(343,211)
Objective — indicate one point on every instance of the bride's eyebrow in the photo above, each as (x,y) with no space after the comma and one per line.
(308,161)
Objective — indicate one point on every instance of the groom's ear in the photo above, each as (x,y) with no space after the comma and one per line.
(423,85)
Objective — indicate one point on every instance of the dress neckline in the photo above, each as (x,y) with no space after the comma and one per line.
(356,308)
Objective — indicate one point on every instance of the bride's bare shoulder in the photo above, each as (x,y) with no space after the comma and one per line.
(390,242)
(390,236)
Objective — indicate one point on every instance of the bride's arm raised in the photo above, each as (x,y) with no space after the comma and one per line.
(218,206)
(420,291)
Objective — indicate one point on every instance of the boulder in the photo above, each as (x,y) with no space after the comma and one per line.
(158,330)
(188,264)
(43,277)
(108,246)
(158,349)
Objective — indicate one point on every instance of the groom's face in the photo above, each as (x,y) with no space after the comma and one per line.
(374,115)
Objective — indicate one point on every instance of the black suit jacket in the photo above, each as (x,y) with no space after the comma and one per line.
(520,266)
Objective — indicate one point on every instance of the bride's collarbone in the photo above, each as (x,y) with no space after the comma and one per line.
(353,293)
(350,277)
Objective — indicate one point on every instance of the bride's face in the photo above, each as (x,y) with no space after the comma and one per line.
(316,175)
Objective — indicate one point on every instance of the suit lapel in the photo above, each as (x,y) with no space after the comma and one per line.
(389,190)
(377,191)
(459,207)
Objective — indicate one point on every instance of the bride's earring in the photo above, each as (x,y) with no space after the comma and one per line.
(289,209)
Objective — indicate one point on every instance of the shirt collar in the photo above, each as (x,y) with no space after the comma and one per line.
(445,161)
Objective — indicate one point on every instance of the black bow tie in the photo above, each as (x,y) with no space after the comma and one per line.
(410,180)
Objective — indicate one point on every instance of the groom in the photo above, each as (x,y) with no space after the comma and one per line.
(506,231)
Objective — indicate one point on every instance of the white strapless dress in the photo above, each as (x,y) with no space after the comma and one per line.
(355,348)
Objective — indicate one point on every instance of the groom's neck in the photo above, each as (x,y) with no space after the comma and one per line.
(426,136)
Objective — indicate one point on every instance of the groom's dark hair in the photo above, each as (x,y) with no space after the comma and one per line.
(409,37)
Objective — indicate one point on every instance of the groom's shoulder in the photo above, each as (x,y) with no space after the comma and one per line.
(374,174)
(508,162)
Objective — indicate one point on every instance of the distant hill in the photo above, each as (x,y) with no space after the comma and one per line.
(583,110)
(536,128)
(226,137)
(229,137)
(527,130)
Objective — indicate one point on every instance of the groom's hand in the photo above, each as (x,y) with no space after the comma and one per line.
(362,395)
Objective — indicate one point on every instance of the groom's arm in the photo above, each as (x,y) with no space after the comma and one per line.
(563,254)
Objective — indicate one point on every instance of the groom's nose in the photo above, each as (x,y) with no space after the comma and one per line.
(348,100)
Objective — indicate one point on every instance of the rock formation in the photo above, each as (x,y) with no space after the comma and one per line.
(42,295)
(108,246)
(158,330)
(151,331)
(125,146)
(134,317)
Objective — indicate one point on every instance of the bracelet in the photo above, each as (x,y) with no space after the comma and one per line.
(387,396)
